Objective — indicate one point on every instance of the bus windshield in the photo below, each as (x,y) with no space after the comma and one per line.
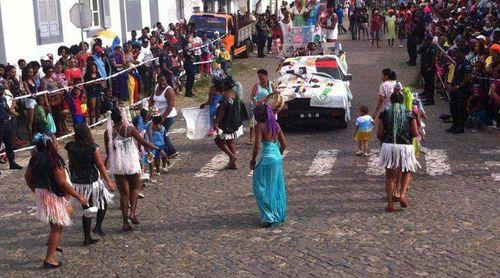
(209,24)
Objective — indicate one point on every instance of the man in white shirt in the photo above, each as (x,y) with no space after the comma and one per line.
(146,72)
(197,42)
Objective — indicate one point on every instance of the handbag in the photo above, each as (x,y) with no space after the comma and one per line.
(51,125)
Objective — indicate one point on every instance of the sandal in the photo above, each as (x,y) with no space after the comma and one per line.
(403,201)
(134,220)
(126,228)
(48,265)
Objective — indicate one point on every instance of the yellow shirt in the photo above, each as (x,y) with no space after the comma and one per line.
(226,55)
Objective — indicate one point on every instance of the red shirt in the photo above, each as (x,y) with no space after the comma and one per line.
(73,73)
(376,23)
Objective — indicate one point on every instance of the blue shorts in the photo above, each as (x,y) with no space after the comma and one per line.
(157,153)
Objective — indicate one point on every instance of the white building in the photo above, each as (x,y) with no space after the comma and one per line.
(32,28)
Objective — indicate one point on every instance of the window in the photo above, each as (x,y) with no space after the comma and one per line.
(100,13)
(180,9)
(134,14)
(154,12)
(48,21)
(96,18)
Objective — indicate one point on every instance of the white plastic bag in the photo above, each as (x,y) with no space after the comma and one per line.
(197,122)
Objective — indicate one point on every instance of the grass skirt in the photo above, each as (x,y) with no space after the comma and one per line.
(52,208)
(96,192)
(232,136)
(393,156)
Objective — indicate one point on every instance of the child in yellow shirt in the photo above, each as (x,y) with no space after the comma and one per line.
(225,58)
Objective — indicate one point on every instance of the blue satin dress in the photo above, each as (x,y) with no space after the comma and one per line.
(269,185)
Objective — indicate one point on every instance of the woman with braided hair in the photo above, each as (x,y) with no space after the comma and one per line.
(397,128)
(268,179)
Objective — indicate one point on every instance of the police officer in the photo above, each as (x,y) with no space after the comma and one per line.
(460,90)
(6,129)
(189,67)
(411,44)
(261,36)
(428,53)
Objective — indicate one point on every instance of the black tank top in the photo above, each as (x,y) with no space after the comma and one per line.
(43,176)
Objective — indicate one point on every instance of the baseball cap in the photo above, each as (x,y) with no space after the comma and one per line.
(44,58)
(481,37)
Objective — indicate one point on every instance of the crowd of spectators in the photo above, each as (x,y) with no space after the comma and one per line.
(179,50)
(459,47)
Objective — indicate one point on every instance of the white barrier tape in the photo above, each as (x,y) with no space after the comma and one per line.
(88,82)
(134,66)
(204,62)
(446,54)
(201,46)
(72,133)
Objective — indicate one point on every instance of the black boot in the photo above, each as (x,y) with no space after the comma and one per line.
(87,223)
(98,225)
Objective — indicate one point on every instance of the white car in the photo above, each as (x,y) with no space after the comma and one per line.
(315,90)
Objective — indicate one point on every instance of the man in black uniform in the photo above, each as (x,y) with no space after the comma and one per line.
(6,129)
(428,69)
(460,90)
(411,44)
(189,67)
(261,36)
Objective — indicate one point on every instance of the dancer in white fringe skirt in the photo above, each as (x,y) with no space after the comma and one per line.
(123,158)
(85,165)
(47,178)
(229,122)
(396,129)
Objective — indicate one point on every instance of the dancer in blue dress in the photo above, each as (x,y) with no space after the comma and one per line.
(268,178)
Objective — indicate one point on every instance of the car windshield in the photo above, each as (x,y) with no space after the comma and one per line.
(209,24)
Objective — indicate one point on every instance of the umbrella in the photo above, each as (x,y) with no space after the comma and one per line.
(107,36)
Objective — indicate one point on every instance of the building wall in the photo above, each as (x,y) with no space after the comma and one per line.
(19,28)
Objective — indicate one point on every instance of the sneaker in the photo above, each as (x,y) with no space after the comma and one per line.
(141,196)
(89,211)
(359,153)
(400,46)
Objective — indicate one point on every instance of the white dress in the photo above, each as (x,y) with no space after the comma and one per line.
(124,155)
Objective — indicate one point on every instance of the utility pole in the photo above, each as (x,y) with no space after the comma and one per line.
(83,40)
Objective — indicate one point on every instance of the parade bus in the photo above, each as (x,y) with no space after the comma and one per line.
(236,35)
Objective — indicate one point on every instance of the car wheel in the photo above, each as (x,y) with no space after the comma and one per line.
(341,122)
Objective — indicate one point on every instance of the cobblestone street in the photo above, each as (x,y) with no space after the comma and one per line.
(207,225)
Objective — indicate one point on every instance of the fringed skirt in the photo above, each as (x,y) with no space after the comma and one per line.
(96,192)
(231,136)
(52,208)
(393,156)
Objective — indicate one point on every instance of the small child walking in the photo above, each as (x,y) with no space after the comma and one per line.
(363,133)
(156,135)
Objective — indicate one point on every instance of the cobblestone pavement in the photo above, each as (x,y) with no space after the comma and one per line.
(202,225)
